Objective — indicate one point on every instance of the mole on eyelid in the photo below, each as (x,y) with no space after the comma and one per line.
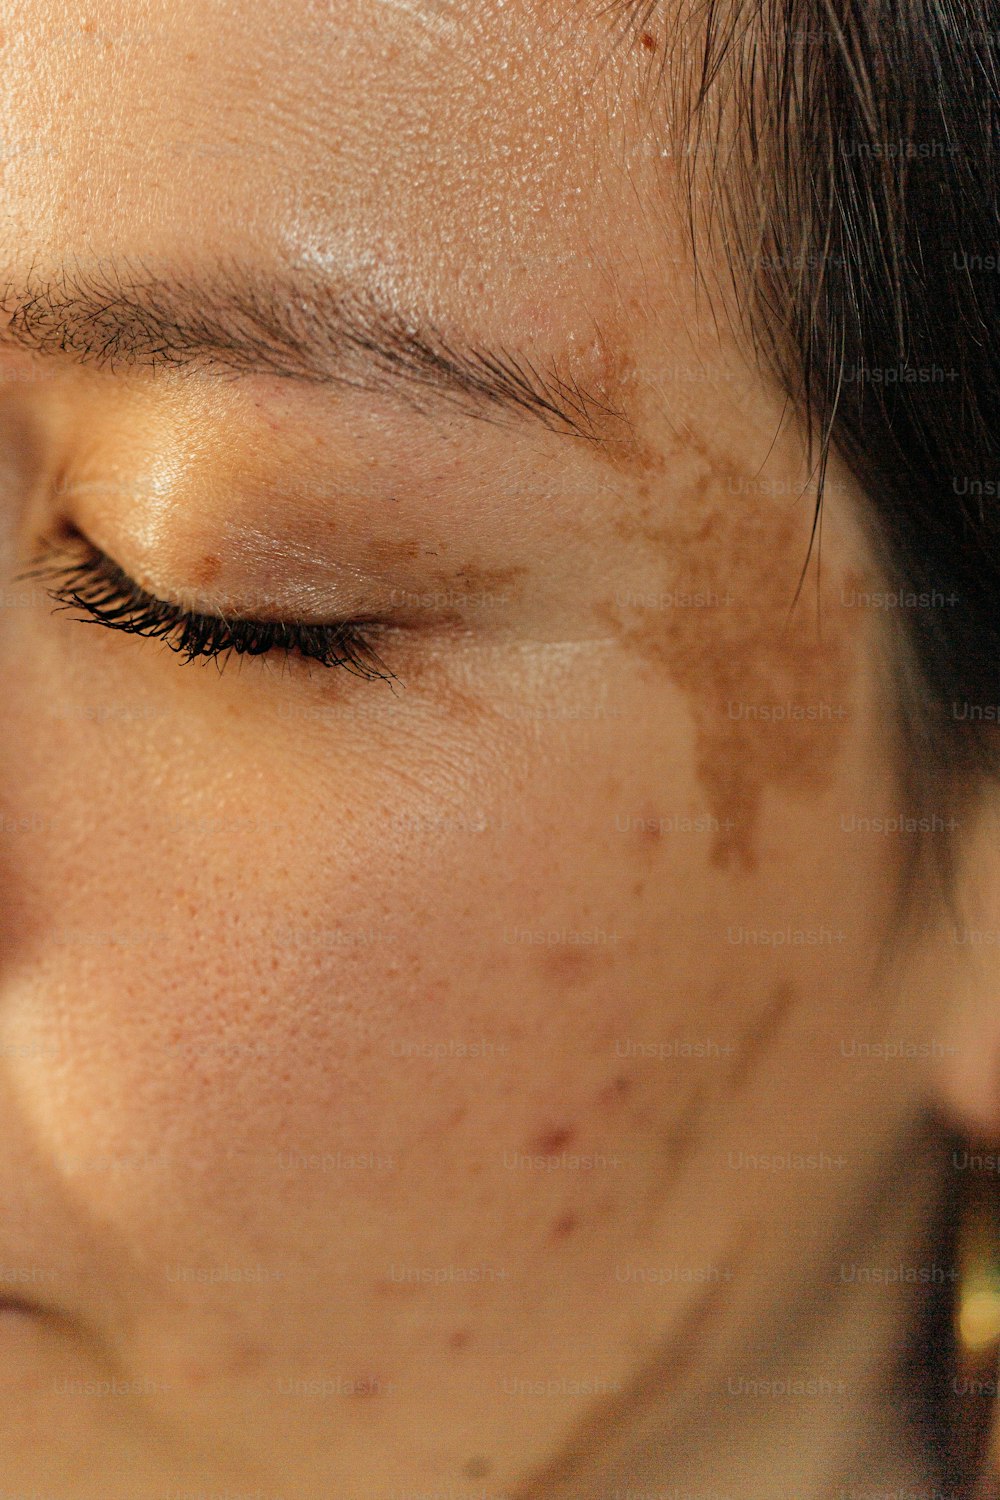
(207,570)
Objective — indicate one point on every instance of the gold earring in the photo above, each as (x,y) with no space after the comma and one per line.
(976,1328)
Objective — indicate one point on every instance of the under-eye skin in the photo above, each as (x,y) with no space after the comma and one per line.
(86,579)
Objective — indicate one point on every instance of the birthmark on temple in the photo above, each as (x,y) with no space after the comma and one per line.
(770,688)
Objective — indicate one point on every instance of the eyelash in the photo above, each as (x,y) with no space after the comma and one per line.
(95,584)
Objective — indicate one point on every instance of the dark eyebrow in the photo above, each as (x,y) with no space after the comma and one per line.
(236,320)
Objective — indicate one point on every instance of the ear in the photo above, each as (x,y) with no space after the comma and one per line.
(966,1063)
(967,1073)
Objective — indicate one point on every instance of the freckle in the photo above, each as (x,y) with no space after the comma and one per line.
(460,1339)
(551,1141)
(485,581)
(364,1387)
(638,887)
(208,569)
(572,965)
(477,1468)
(615,1092)
(247,1359)
(648,41)
(564,1226)
(386,1288)
(648,829)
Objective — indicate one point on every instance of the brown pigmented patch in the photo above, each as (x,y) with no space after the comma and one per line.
(460,1339)
(365,1387)
(570,966)
(484,580)
(207,569)
(740,659)
(548,1142)
(385,1287)
(648,40)
(564,1226)
(247,1359)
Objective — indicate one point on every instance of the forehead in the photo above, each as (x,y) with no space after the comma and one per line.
(449,148)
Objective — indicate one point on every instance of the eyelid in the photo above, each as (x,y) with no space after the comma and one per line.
(86,578)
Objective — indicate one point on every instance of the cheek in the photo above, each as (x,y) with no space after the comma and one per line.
(434,968)
(457,996)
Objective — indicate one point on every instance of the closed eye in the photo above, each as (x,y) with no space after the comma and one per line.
(86,579)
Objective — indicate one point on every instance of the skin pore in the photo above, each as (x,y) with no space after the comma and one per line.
(364,1045)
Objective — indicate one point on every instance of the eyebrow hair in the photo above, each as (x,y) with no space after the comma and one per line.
(237,320)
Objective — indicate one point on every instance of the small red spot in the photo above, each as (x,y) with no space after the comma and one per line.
(615,1092)
(648,40)
(564,1226)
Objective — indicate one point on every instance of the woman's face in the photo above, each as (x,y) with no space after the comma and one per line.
(390,1069)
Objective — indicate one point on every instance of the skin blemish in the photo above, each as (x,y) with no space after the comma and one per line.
(572,965)
(769,693)
(364,1387)
(616,1092)
(647,828)
(395,1289)
(486,580)
(648,40)
(548,1142)
(460,1339)
(477,1468)
(207,570)
(564,1226)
